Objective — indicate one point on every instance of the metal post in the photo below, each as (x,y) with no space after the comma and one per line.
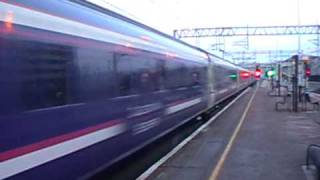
(318,41)
(298,21)
(279,78)
(295,84)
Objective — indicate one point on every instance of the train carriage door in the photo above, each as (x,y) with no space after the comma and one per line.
(210,93)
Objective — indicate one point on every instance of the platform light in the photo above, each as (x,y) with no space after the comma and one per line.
(257,73)
(307,71)
(271,73)
(8,21)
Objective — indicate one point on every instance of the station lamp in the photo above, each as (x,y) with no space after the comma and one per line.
(257,73)
(307,69)
(271,73)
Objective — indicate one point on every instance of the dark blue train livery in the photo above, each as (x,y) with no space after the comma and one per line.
(82,87)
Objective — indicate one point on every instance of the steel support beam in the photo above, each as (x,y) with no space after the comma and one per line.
(263,52)
(247,31)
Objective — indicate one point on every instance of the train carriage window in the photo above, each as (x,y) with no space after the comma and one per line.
(184,74)
(181,73)
(192,75)
(137,74)
(196,81)
(199,75)
(45,67)
(218,77)
(96,77)
(173,74)
(39,75)
(222,76)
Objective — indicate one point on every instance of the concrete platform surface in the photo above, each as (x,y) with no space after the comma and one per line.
(269,145)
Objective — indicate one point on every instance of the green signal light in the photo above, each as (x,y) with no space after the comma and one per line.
(233,76)
(271,73)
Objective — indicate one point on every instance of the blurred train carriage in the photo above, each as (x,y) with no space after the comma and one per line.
(83,87)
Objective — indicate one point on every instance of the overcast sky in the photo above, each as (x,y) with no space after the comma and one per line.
(167,15)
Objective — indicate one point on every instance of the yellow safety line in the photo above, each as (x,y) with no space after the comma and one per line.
(217,170)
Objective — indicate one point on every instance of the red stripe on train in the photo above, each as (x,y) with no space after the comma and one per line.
(53,141)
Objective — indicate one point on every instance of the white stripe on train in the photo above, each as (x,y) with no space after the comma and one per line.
(182,106)
(25,162)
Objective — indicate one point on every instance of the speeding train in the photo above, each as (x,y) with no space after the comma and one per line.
(82,87)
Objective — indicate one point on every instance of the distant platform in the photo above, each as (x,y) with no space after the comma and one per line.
(268,145)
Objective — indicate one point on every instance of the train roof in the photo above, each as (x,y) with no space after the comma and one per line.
(122,17)
(100,24)
(225,62)
(162,37)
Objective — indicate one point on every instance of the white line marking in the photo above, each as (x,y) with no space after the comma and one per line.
(225,153)
(22,163)
(149,171)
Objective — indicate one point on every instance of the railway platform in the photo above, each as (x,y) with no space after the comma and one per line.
(249,140)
